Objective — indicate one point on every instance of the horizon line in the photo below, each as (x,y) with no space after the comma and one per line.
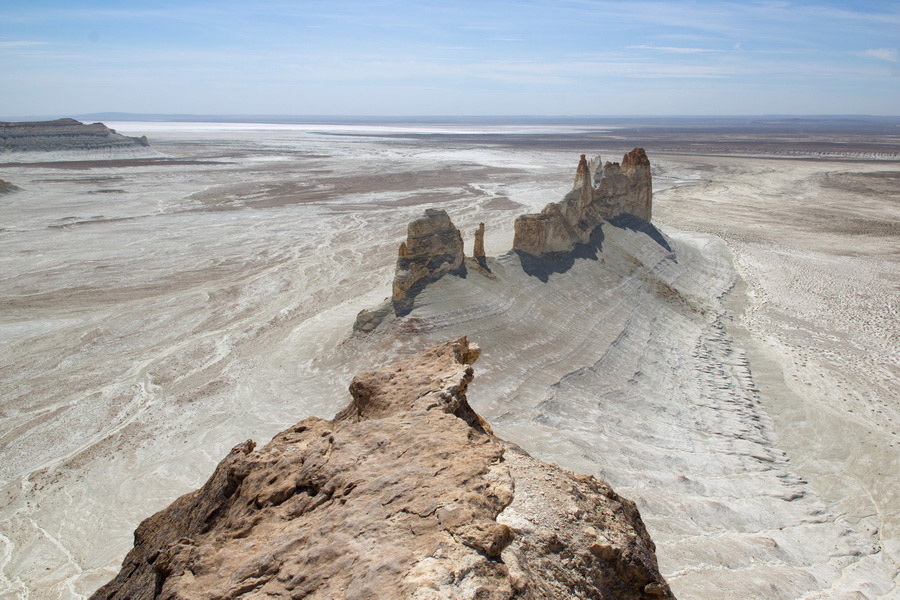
(139,116)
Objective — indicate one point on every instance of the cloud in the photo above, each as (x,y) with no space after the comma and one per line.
(672,49)
(20,43)
(889,54)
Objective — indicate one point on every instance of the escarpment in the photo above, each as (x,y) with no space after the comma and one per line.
(65,135)
(406,493)
(601,192)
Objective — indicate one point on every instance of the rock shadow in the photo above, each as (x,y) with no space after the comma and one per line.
(633,223)
(542,267)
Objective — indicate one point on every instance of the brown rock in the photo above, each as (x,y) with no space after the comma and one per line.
(405,494)
(433,248)
(617,191)
(478,250)
(6,187)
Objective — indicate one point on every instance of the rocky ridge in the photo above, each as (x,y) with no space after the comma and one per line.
(64,135)
(434,246)
(406,493)
(600,192)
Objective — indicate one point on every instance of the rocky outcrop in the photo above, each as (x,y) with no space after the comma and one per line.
(405,494)
(599,193)
(6,187)
(433,248)
(64,135)
(478,249)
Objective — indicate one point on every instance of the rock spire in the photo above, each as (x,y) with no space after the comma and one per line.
(599,193)
(433,248)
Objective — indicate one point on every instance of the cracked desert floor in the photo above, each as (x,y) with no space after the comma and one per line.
(739,378)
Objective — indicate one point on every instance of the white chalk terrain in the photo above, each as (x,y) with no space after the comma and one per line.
(737,375)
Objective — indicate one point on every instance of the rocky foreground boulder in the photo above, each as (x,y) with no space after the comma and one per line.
(406,493)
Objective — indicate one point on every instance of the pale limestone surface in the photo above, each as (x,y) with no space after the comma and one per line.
(215,298)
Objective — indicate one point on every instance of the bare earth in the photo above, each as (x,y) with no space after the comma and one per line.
(154,313)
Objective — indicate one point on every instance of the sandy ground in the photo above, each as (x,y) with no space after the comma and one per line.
(741,385)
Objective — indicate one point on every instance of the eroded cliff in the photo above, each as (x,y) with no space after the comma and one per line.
(601,192)
(433,248)
(406,493)
(64,135)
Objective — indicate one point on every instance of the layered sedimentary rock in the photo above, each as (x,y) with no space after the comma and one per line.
(63,135)
(599,193)
(433,248)
(6,187)
(405,494)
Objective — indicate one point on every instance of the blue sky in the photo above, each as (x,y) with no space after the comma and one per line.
(379,57)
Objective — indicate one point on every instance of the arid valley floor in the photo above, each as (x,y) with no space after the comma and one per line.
(738,378)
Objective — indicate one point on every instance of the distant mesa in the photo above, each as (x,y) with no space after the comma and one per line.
(546,242)
(67,138)
(406,493)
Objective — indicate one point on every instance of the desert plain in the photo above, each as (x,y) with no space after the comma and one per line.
(735,371)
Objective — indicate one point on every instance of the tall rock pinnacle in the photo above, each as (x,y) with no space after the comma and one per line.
(433,248)
(478,249)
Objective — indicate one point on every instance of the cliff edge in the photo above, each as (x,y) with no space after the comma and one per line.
(406,493)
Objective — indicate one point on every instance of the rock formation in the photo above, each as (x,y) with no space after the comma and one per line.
(405,494)
(478,250)
(599,193)
(6,187)
(63,135)
(433,248)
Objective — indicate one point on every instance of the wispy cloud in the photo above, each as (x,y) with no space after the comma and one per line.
(672,49)
(889,54)
(20,43)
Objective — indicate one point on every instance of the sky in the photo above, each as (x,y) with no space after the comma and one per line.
(446,57)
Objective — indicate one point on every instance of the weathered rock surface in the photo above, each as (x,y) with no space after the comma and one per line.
(599,193)
(433,248)
(63,135)
(405,494)
(478,249)
(6,187)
